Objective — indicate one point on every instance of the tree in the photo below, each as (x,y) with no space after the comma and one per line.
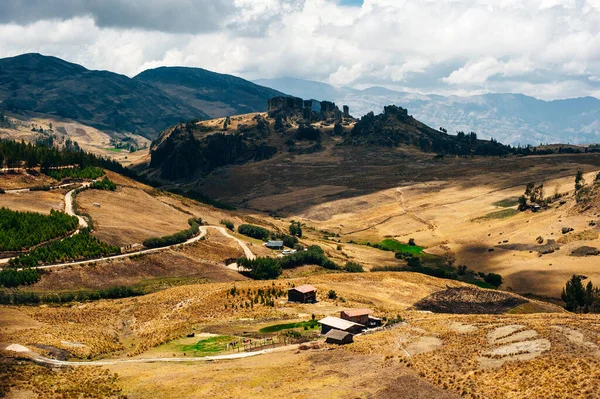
(411,242)
(579,181)
(493,279)
(332,294)
(573,294)
(296,229)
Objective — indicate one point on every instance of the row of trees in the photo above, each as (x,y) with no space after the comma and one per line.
(177,238)
(21,230)
(78,247)
(257,232)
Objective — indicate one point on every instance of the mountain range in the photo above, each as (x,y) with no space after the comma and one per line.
(145,104)
(509,118)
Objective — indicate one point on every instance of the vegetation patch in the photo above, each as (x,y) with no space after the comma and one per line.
(104,184)
(88,172)
(11,278)
(308,325)
(586,235)
(257,232)
(503,214)
(389,244)
(507,202)
(467,300)
(19,297)
(21,230)
(208,346)
(81,246)
(177,238)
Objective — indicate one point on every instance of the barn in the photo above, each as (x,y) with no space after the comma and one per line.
(335,323)
(338,337)
(274,245)
(304,294)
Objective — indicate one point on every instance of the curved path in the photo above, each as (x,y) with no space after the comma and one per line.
(69,210)
(24,351)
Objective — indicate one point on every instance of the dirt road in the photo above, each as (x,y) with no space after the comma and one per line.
(24,351)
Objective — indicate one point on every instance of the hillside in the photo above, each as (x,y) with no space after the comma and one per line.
(215,94)
(144,105)
(509,118)
(101,99)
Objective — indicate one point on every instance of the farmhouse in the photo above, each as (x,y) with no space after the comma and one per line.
(303,294)
(360,316)
(335,323)
(338,337)
(274,244)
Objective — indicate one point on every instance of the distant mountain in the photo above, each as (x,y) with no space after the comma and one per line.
(146,104)
(509,118)
(216,94)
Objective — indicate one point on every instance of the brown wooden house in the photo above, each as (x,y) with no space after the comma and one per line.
(339,337)
(359,316)
(303,294)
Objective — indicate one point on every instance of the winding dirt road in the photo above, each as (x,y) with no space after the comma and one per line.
(24,351)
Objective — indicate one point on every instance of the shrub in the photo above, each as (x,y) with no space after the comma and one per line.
(254,231)
(353,267)
(228,224)
(331,294)
(177,238)
(104,184)
(411,242)
(493,279)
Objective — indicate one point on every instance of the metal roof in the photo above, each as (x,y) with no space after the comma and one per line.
(337,323)
(337,334)
(275,243)
(304,288)
(357,312)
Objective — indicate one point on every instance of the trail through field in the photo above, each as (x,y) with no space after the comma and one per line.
(37,358)
(69,210)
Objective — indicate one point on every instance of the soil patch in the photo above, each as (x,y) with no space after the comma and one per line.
(467,300)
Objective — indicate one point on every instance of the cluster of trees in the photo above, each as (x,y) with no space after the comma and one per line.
(88,172)
(353,267)
(581,299)
(177,238)
(270,268)
(257,232)
(534,194)
(104,184)
(21,230)
(78,247)
(10,278)
(296,229)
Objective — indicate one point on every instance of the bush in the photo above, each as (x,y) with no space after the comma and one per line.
(289,241)
(353,267)
(89,172)
(177,238)
(331,294)
(254,231)
(261,268)
(228,224)
(104,184)
(411,242)
(13,278)
(493,279)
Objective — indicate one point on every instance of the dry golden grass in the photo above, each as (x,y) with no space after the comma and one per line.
(34,201)
(129,216)
(22,179)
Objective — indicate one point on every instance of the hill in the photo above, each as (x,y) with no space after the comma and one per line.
(144,105)
(215,94)
(509,118)
(101,99)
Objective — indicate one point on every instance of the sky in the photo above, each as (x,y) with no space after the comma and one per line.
(548,49)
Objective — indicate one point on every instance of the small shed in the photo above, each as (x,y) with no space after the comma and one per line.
(339,337)
(304,294)
(360,316)
(274,245)
(335,323)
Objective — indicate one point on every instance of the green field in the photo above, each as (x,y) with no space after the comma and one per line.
(208,346)
(503,214)
(507,202)
(311,324)
(389,244)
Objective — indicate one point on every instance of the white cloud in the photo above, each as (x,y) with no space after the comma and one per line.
(424,45)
